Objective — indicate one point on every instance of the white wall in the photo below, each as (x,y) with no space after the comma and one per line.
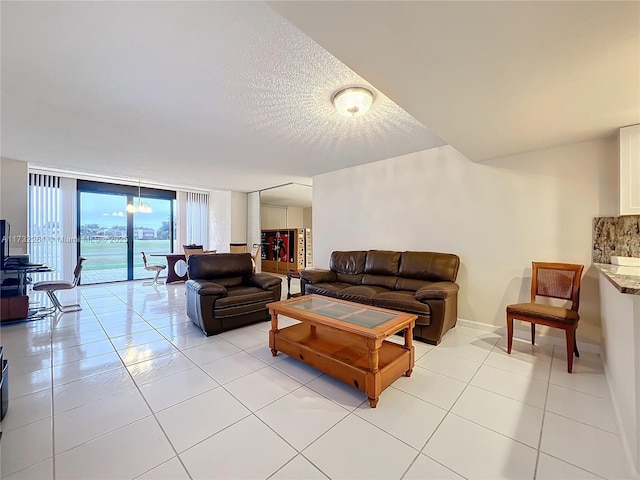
(307,217)
(621,356)
(220,224)
(14,179)
(238,218)
(273,217)
(295,217)
(498,216)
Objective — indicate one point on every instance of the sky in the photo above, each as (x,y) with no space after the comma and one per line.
(110,211)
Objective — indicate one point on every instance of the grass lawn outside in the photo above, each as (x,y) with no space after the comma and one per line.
(113,255)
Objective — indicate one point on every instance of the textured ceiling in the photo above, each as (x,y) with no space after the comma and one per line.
(492,78)
(205,94)
(231,95)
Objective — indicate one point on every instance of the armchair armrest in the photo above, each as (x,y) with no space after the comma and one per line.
(206,287)
(264,280)
(437,290)
(318,276)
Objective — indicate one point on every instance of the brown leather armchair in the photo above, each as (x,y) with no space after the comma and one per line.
(223,292)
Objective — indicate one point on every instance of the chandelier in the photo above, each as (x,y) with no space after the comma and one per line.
(139,206)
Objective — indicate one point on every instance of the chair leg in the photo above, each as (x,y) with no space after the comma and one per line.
(62,308)
(571,339)
(533,333)
(509,333)
(575,345)
(155,279)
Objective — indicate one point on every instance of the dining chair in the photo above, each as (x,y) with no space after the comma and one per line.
(552,280)
(152,268)
(255,251)
(192,250)
(52,286)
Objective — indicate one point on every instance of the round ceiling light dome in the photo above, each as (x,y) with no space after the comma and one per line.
(353,101)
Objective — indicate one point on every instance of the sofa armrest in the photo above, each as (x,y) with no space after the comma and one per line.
(206,287)
(437,290)
(318,276)
(264,280)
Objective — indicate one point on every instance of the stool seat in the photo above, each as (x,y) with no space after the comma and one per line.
(51,286)
(152,268)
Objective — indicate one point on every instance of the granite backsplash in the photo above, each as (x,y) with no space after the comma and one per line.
(618,236)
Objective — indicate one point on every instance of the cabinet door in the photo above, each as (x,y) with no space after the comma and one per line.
(630,170)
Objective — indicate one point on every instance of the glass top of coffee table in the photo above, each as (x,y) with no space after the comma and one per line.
(356,314)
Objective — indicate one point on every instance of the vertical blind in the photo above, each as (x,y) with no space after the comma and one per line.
(44,232)
(52,224)
(193,218)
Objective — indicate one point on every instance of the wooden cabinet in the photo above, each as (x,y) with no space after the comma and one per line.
(630,170)
(285,249)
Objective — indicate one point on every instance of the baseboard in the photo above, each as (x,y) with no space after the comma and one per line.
(525,334)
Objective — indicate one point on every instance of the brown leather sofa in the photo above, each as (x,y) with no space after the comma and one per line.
(223,292)
(422,283)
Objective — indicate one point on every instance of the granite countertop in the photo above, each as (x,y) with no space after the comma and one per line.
(625,279)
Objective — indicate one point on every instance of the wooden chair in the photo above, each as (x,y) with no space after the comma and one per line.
(152,268)
(192,250)
(553,280)
(255,251)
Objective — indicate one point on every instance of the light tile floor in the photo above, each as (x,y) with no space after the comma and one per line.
(129,388)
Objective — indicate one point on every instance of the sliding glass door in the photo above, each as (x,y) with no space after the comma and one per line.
(152,234)
(112,239)
(103,236)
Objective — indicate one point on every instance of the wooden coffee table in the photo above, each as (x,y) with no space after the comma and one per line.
(345,340)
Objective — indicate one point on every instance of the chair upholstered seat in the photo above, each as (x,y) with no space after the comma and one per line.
(548,312)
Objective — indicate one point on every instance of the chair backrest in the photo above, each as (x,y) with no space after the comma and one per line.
(77,271)
(192,249)
(144,259)
(556,280)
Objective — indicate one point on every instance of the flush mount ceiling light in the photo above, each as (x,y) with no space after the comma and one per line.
(139,206)
(353,101)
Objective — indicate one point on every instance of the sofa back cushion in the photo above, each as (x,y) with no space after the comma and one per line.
(349,263)
(429,266)
(382,262)
(213,266)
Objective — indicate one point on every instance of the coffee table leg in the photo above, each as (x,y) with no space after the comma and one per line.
(408,344)
(374,359)
(272,333)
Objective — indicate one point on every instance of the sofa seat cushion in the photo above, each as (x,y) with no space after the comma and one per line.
(361,293)
(244,295)
(327,289)
(401,300)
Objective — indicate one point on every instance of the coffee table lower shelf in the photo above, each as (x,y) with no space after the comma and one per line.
(345,358)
